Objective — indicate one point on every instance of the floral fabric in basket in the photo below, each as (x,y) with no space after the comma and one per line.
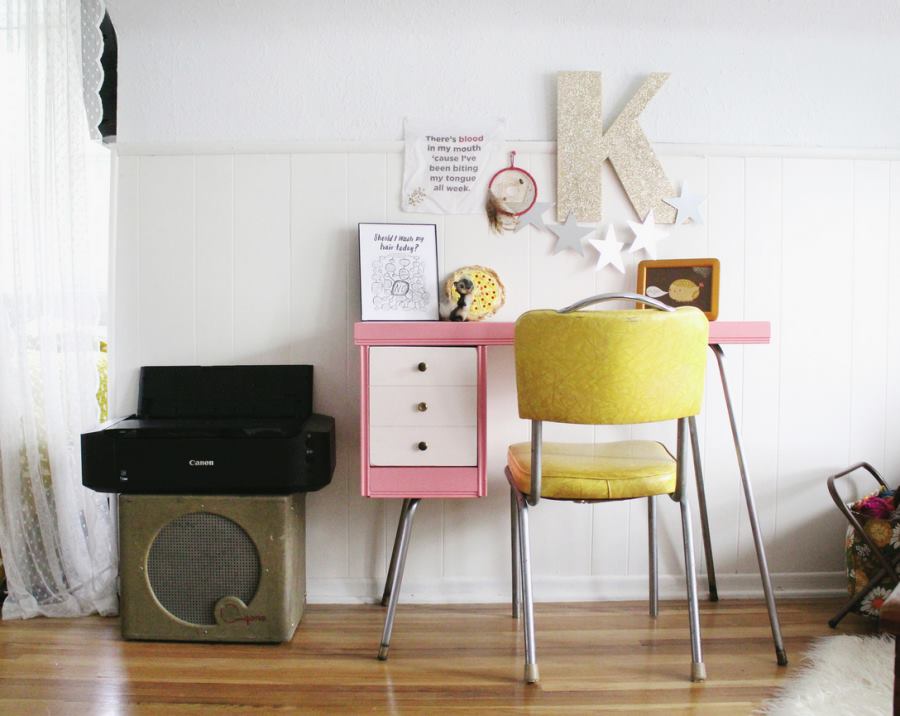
(880,519)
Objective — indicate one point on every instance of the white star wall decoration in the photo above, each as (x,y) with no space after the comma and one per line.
(534,216)
(610,251)
(687,206)
(646,234)
(570,235)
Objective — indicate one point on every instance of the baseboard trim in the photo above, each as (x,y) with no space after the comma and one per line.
(572,589)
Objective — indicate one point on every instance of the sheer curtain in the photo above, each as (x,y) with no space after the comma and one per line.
(56,538)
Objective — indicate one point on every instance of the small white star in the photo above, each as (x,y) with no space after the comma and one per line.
(609,249)
(646,234)
(534,216)
(570,235)
(687,205)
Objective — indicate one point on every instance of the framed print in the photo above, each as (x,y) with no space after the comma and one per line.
(398,272)
(682,282)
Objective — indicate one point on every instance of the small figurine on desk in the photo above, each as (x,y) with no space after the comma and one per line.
(465,287)
(471,294)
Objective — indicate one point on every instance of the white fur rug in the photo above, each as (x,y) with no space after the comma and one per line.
(840,675)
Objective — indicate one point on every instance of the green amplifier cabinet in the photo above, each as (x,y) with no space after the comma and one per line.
(212,568)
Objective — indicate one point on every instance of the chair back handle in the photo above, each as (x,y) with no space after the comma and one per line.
(625,296)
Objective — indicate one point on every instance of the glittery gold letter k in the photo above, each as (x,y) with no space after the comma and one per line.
(582,147)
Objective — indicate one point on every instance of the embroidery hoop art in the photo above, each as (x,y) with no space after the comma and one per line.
(512,191)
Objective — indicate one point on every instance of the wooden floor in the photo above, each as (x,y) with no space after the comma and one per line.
(444,659)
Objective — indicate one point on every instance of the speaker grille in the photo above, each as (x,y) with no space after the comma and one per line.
(197,559)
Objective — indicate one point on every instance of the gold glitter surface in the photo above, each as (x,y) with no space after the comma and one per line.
(582,147)
(579,135)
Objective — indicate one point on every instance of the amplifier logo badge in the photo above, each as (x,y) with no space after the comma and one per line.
(202,463)
(230,613)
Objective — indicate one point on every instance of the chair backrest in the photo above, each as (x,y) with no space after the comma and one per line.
(610,367)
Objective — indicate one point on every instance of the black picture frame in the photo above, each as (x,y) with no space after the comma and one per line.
(398,271)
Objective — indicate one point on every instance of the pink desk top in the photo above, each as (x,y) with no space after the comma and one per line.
(496,333)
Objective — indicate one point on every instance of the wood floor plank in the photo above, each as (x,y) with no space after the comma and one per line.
(594,658)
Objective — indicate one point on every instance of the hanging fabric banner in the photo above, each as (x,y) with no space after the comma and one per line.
(446,171)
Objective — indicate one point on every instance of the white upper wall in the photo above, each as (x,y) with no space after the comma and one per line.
(769,72)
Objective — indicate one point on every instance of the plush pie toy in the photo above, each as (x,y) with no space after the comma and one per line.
(488,294)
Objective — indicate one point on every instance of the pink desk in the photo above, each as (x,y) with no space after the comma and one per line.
(444,333)
(424,479)
(447,362)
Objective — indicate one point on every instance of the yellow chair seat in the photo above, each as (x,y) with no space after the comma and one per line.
(606,471)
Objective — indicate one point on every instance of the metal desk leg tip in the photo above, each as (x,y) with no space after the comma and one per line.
(383,652)
(781,656)
(531,673)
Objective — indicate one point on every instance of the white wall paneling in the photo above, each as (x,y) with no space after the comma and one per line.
(262,276)
(214,257)
(224,255)
(760,415)
(126,286)
(892,388)
(870,280)
(816,354)
(166,251)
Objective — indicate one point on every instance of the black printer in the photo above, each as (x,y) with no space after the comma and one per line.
(215,430)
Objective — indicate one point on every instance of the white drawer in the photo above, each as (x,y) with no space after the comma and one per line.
(456,446)
(425,405)
(412,365)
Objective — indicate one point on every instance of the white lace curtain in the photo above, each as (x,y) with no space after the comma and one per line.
(56,538)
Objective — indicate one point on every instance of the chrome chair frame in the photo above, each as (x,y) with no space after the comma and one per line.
(521,548)
(765,577)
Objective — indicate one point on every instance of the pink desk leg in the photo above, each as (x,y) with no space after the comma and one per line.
(393,586)
(391,594)
(780,653)
(395,553)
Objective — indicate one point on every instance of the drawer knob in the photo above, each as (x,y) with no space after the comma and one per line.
(422,407)
(423,366)
(423,446)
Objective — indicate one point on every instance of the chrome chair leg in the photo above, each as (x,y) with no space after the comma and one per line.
(514,562)
(704,517)
(780,654)
(698,669)
(392,570)
(406,520)
(531,667)
(654,556)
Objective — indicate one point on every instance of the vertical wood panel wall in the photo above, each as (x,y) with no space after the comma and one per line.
(252,258)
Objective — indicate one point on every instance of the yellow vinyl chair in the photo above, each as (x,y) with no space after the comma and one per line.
(605,368)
